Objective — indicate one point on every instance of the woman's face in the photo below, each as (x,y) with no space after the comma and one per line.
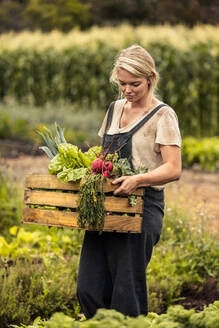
(133,87)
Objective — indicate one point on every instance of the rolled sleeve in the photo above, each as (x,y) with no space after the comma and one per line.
(168,132)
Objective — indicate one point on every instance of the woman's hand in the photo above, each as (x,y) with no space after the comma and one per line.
(128,185)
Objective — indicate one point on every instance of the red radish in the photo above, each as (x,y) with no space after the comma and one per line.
(97,165)
(100,166)
(105,174)
(108,166)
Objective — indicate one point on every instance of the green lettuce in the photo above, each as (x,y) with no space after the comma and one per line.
(71,164)
(56,164)
(70,153)
(72,174)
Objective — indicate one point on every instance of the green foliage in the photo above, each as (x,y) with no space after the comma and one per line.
(12,15)
(10,201)
(4,126)
(83,124)
(91,210)
(176,317)
(71,164)
(60,14)
(184,258)
(39,243)
(204,152)
(38,272)
(10,129)
(81,74)
(26,14)
(52,141)
(80,123)
(159,12)
(45,15)
(35,288)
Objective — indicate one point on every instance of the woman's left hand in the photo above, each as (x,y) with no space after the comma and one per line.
(128,185)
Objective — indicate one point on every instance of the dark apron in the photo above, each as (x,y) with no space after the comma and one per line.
(112,265)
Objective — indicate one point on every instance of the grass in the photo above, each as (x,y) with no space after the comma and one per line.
(80,121)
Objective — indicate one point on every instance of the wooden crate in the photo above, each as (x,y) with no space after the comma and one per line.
(48,190)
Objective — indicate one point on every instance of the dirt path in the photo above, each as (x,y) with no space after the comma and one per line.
(196,191)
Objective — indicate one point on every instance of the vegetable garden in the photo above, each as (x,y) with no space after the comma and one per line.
(66,81)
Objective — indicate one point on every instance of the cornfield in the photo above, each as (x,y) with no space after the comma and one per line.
(75,67)
(179,36)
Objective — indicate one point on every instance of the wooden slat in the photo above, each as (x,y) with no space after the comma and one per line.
(69,219)
(47,181)
(60,199)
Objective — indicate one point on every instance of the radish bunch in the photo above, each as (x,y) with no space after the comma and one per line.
(103,164)
(100,166)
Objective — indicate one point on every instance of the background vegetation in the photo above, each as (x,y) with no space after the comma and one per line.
(38,271)
(66,14)
(79,73)
(63,76)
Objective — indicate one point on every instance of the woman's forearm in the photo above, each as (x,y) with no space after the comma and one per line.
(161,175)
(170,170)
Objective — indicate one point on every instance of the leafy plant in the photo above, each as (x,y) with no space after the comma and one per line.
(52,141)
(176,317)
(91,210)
(10,201)
(34,288)
(203,152)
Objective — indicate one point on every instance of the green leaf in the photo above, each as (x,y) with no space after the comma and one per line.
(72,174)
(56,164)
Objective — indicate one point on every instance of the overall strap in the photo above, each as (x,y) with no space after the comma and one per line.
(145,119)
(109,117)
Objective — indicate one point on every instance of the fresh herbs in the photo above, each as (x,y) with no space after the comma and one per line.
(91,210)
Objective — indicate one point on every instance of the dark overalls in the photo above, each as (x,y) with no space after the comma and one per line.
(112,265)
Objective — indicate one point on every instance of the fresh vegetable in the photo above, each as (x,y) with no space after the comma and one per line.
(108,166)
(176,317)
(97,165)
(71,164)
(52,141)
(103,164)
(106,174)
(72,174)
(91,210)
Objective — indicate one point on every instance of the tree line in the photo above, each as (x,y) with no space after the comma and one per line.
(64,15)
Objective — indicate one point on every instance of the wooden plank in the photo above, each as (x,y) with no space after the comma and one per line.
(48,181)
(49,217)
(119,204)
(69,219)
(61,199)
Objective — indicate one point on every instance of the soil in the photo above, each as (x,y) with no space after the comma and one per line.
(196,191)
(196,299)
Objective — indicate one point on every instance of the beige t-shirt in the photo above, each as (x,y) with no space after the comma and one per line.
(161,129)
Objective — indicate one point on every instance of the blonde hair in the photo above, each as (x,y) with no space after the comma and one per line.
(137,61)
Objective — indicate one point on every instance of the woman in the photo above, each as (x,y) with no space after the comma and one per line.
(112,270)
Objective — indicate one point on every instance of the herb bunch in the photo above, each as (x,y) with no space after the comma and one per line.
(91,210)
